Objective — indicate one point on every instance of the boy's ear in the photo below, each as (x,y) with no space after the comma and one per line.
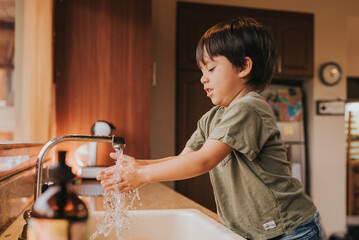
(246,70)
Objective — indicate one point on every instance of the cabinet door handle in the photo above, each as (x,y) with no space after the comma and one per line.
(279,64)
(154,74)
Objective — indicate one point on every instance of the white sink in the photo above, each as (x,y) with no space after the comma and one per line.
(183,224)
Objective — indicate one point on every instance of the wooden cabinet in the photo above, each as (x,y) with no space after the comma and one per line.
(7,32)
(292,32)
(103,70)
(294,38)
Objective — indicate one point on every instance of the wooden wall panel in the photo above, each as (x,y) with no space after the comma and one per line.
(102,69)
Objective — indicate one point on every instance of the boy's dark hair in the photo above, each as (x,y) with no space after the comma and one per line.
(239,38)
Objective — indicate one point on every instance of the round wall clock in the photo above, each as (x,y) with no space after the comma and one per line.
(330,73)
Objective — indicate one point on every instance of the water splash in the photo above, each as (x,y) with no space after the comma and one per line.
(117,206)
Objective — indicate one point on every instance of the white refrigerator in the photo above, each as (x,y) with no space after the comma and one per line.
(287,106)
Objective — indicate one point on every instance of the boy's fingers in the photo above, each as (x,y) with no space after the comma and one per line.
(113,155)
(101,175)
(104,174)
(123,187)
(106,171)
(108,189)
(110,182)
(109,171)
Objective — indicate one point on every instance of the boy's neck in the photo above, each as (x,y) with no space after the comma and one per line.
(241,94)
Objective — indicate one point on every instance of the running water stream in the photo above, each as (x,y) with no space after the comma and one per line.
(117,206)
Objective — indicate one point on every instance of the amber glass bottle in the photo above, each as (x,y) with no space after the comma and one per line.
(58,213)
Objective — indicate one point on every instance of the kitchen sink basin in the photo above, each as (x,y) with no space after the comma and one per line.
(183,224)
(8,163)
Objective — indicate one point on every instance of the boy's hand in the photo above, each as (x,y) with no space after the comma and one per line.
(122,178)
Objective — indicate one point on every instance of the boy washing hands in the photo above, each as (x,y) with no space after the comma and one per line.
(237,142)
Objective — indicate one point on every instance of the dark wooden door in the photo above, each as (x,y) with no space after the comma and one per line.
(103,69)
(192,21)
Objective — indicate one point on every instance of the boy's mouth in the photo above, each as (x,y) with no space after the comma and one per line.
(208,91)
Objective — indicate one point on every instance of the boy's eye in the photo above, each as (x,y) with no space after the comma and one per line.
(211,69)
(204,73)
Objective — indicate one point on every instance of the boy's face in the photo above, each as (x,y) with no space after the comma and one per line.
(222,81)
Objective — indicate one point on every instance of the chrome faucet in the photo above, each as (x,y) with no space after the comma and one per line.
(117,142)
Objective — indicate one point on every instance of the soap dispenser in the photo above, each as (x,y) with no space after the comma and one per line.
(59,213)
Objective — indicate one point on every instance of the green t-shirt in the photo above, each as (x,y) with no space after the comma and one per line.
(256,195)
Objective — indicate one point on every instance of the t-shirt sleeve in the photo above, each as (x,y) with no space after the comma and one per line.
(198,138)
(242,129)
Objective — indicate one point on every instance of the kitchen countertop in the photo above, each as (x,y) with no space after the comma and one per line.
(153,196)
(156,196)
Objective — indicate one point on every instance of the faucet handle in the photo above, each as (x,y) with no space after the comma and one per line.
(118,142)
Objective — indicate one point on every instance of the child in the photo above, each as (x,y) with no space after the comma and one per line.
(237,142)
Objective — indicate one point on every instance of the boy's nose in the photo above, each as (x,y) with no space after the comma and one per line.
(204,79)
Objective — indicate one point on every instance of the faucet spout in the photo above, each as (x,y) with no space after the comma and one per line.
(115,140)
(118,142)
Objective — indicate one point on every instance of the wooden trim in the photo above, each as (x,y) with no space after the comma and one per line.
(16,147)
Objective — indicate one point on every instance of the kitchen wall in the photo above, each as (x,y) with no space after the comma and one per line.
(7,113)
(352,46)
(34,89)
(30,116)
(326,136)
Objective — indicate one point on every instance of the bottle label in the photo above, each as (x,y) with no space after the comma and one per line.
(56,229)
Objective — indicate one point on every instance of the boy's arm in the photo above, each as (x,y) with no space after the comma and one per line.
(144,162)
(188,164)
